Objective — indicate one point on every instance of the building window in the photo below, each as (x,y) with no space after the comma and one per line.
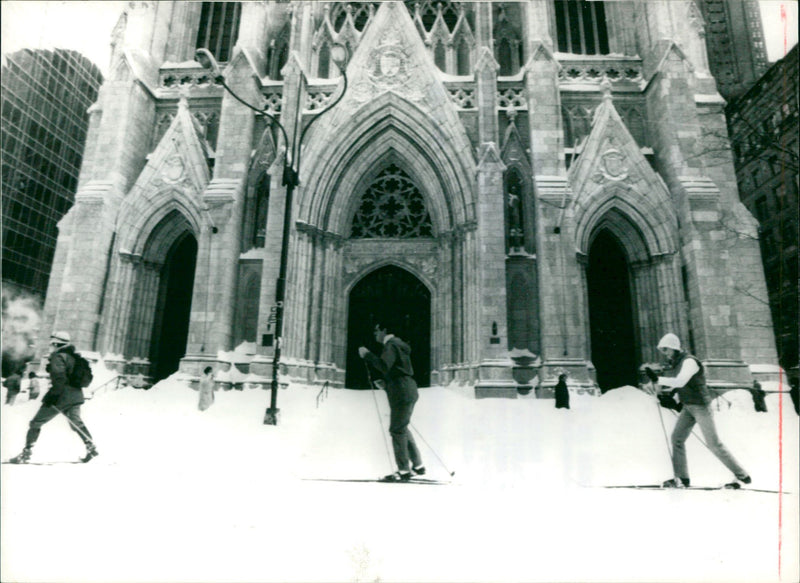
(392,207)
(219,28)
(581,27)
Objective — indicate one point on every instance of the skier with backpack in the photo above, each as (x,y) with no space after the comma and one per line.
(685,373)
(69,373)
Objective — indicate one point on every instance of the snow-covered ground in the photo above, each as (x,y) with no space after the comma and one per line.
(180,495)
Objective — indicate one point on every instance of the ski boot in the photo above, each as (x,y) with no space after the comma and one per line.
(397,477)
(676,483)
(418,471)
(22,458)
(91,452)
(737,483)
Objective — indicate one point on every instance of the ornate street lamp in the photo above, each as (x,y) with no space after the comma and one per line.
(291,170)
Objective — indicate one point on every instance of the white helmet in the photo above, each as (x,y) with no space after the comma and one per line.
(670,341)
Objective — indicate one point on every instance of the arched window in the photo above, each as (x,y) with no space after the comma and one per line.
(463,58)
(581,27)
(262,208)
(324,61)
(277,55)
(219,28)
(440,56)
(392,207)
(507,39)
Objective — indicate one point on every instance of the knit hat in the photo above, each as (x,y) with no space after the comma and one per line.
(670,341)
(60,337)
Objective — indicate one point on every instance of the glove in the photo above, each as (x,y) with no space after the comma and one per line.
(651,374)
(667,400)
(50,399)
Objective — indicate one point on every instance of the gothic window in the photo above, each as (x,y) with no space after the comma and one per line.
(446,27)
(278,54)
(219,28)
(507,40)
(581,27)
(260,215)
(463,58)
(361,12)
(324,61)
(392,207)
(440,56)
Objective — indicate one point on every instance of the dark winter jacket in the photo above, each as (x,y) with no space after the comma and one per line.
(395,365)
(694,392)
(562,394)
(13,383)
(61,394)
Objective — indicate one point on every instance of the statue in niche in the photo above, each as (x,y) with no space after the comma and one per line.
(516,238)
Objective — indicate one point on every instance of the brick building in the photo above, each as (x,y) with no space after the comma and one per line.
(525,176)
(764,131)
(45,95)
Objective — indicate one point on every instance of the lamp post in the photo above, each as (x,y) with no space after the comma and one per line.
(291,171)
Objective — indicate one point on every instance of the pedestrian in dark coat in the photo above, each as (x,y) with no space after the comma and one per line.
(12,387)
(562,392)
(395,366)
(759,395)
(61,398)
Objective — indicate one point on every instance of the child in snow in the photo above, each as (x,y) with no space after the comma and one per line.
(685,373)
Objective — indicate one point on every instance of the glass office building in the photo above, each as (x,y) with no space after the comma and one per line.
(45,96)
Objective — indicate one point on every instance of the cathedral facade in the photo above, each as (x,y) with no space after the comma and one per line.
(542,178)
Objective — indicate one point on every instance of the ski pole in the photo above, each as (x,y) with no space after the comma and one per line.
(436,455)
(80,431)
(664,428)
(653,383)
(377,409)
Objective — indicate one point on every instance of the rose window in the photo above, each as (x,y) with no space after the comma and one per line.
(392,207)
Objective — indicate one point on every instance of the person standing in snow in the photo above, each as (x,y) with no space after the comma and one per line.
(562,392)
(685,373)
(61,398)
(206,389)
(395,366)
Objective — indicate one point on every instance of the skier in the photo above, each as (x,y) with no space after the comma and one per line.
(685,373)
(395,365)
(61,398)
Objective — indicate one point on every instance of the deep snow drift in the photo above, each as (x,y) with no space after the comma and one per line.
(180,495)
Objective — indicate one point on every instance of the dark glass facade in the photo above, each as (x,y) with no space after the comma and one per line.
(45,96)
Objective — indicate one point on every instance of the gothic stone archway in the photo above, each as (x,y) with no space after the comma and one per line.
(393,295)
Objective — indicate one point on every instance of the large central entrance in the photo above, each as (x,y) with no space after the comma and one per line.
(611,313)
(393,295)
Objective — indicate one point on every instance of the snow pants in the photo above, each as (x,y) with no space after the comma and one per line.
(402,441)
(47,413)
(704,417)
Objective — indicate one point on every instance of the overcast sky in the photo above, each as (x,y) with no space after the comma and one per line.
(86,26)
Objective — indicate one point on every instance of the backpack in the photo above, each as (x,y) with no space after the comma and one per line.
(81,374)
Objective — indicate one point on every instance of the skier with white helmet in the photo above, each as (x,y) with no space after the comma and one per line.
(685,373)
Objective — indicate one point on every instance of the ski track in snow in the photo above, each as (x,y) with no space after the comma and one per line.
(216,496)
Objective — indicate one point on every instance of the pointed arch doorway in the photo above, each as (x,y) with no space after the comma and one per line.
(611,313)
(173,308)
(394,295)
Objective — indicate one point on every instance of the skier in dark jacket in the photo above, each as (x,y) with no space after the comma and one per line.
(61,398)
(395,366)
(685,373)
